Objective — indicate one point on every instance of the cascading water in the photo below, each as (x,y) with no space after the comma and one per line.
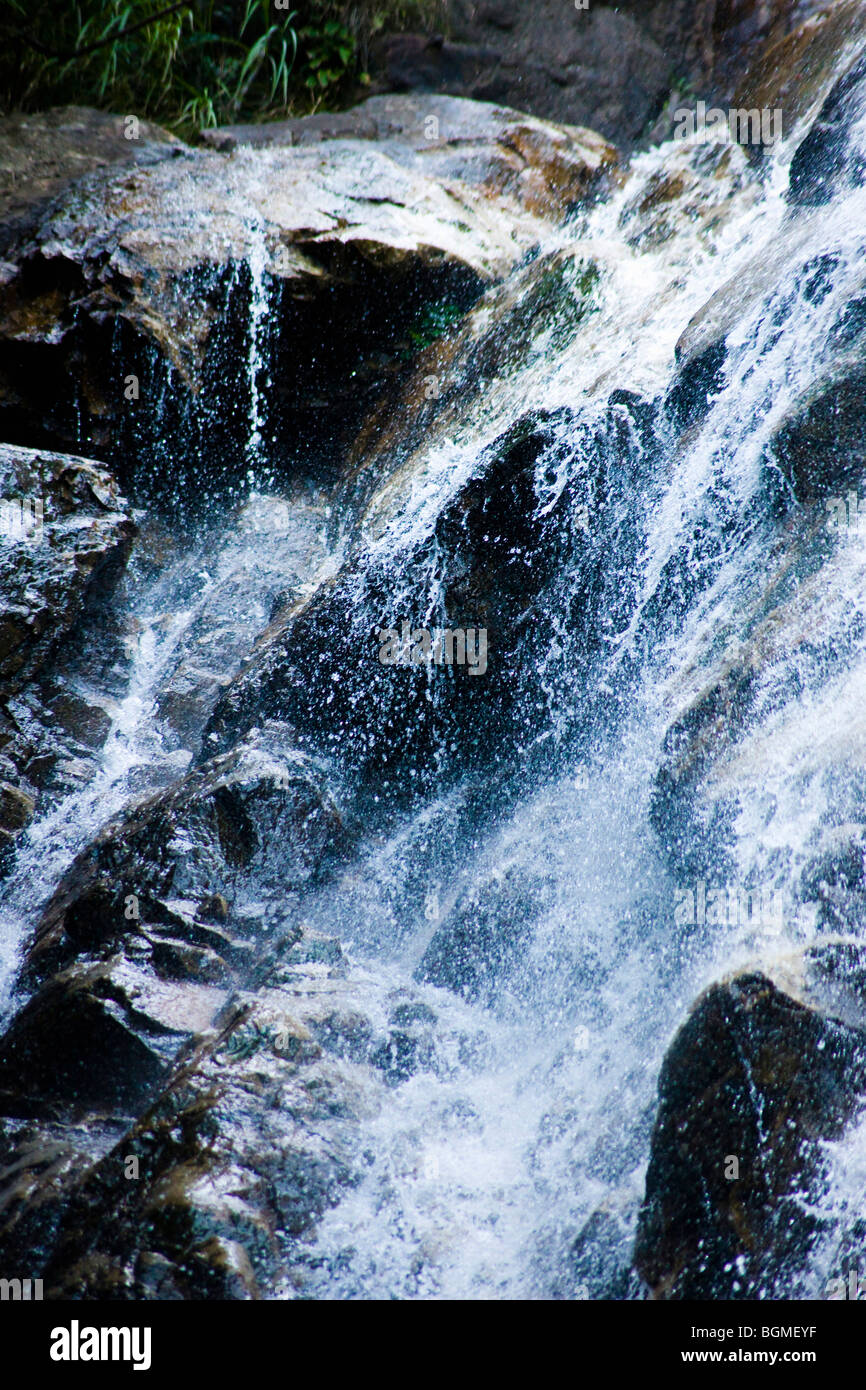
(483,1174)
(511,1162)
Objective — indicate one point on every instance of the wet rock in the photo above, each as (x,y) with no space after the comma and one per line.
(213,1190)
(598,1263)
(477,557)
(734,705)
(140,280)
(278,547)
(817,446)
(40,1165)
(699,186)
(81,1043)
(825,160)
(835,878)
(259,810)
(214,908)
(65,531)
(799,74)
(768,1066)
(319,665)
(411,1043)
(812,74)
(128,960)
(482,938)
(312,949)
(65,536)
(44,152)
(820,446)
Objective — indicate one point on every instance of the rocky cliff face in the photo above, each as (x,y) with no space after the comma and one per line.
(612,67)
(334,965)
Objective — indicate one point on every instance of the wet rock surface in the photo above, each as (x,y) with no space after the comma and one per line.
(260,810)
(65,537)
(286,969)
(126,284)
(321,670)
(242,1144)
(248,1101)
(766,1068)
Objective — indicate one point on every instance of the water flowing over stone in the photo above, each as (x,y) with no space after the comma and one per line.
(333,971)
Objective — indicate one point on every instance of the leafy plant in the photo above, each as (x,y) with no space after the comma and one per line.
(329,53)
(433,322)
(191,63)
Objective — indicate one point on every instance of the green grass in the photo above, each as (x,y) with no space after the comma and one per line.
(194,64)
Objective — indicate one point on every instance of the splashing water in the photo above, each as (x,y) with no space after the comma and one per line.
(519,1156)
(492,1170)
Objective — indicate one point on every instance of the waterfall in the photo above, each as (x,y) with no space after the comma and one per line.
(535,914)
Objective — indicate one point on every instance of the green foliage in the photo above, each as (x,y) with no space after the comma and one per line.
(192,64)
(433,322)
(329,52)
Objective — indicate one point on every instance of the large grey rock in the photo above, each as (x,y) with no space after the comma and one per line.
(608,66)
(596,68)
(453,180)
(44,152)
(143,290)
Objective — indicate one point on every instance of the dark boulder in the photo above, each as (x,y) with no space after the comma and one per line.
(766,1068)
(483,937)
(259,810)
(320,665)
(829,157)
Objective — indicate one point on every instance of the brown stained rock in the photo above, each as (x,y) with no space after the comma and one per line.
(463,145)
(16,808)
(797,70)
(122,242)
(214,908)
(768,1065)
(708,41)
